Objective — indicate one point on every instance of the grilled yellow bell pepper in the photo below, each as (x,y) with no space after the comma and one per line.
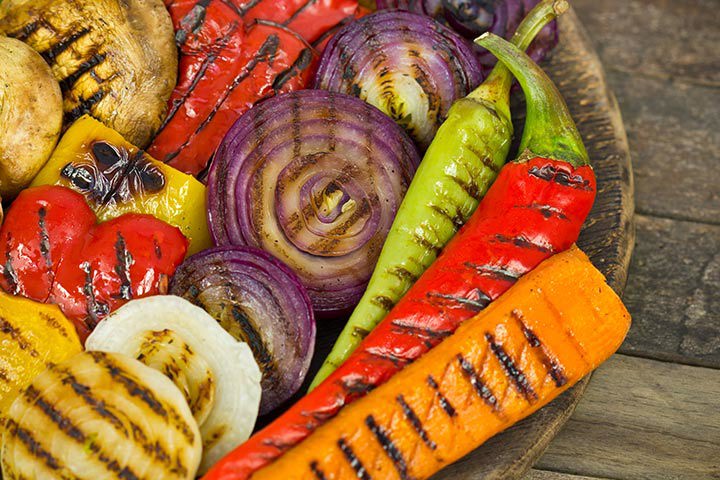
(32,335)
(118,178)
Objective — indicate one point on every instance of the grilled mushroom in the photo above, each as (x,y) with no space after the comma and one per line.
(115,60)
(31,103)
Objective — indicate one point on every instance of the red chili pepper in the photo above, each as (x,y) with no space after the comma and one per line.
(55,252)
(534,209)
(234,54)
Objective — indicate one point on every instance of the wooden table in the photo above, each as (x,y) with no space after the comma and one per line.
(653,410)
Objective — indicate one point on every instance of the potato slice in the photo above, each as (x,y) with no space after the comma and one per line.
(31,106)
(115,60)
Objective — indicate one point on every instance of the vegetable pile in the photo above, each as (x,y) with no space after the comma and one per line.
(148,320)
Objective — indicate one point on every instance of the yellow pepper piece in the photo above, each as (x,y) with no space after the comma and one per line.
(32,335)
(118,178)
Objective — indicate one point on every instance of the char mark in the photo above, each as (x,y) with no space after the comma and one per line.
(255,341)
(315,469)
(552,174)
(299,65)
(68,82)
(482,390)
(192,22)
(44,238)
(95,308)
(456,220)
(444,402)
(11,276)
(51,53)
(473,304)
(547,211)
(493,271)
(391,450)
(511,369)
(398,362)
(523,242)
(416,423)
(35,449)
(85,106)
(551,365)
(469,187)
(403,328)
(124,260)
(383,302)
(353,460)
(16,335)
(24,33)
(356,386)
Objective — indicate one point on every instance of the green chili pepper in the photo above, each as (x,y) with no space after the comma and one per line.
(461,163)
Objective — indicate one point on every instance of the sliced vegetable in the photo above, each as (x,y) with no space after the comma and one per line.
(100,416)
(32,336)
(30,102)
(405,64)
(548,331)
(118,178)
(534,210)
(217,374)
(258,300)
(461,163)
(114,60)
(88,269)
(315,178)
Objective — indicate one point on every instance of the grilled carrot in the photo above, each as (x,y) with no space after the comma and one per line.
(553,327)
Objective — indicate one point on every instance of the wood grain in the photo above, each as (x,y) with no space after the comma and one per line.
(643,419)
(673,296)
(546,475)
(608,238)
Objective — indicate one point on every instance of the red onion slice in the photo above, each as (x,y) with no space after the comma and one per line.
(260,301)
(407,65)
(315,178)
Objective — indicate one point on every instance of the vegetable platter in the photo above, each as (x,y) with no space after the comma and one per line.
(329,239)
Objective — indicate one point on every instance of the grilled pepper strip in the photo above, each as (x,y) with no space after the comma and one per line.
(118,178)
(54,252)
(534,209)
(461,163)
(232,55)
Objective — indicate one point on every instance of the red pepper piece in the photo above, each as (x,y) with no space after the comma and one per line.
(535,208)
(55,252)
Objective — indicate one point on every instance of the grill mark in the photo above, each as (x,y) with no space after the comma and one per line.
(403,274)
(388,446)
(549,173)
(470,188)
(5,377)
(357,386)
(482,156)
(555,370)
(9,272)
(44,238)
(209,60)
(122,267)
(35,449)
(547,211)
(457,220)
(418,331)
(85,106)
(26,30)
(15,334)
(493,271)
(144,395)
(394,359)
(315,469)
(383,302)
(482,390)
(522,242)
(256,343)
(511,369)
(192,22)
(95,308)
(266,52)
(68,82)
(478,305)
(426,244)
(353,460)
(415,421)
(51,53)
(298,66)
(444,402)
(332,123)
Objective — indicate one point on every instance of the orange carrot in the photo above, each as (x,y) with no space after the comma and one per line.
(553,327)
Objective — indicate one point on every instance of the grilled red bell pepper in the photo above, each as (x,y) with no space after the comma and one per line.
(534,209)
(233,54)
(53,251)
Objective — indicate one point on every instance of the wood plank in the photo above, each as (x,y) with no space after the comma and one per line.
(673,292)
(660,38)
(643,419)
(547,475)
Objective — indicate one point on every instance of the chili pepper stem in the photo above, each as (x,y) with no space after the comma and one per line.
(550,131)
(496,87)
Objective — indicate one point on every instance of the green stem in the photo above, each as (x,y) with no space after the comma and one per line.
(496,87)
(550,131)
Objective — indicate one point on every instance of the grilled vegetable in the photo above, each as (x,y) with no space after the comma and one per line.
(88,269)
(100,416)
(315,178)
(117,178)
(533,210)
(114,60)
(461,163)
(31,105)
(259,300)
(405,64)
(217,374)
(32,336)
(547,332)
